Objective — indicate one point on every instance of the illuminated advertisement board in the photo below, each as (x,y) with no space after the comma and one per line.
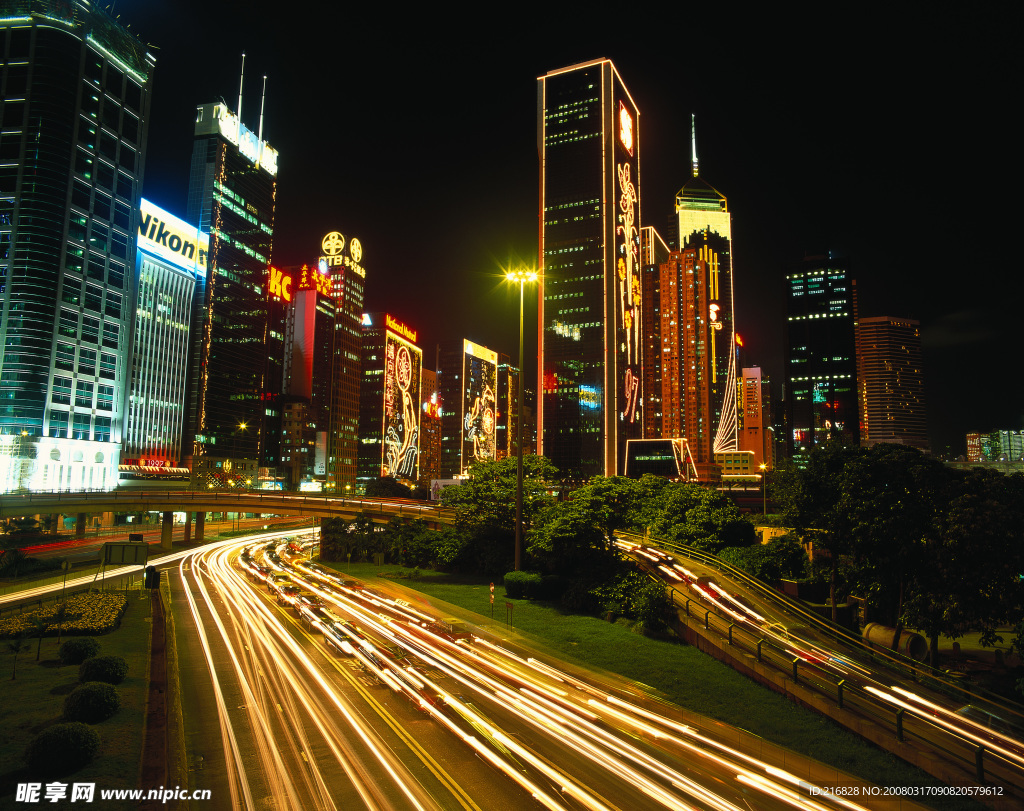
(403,362)
(172,239)
(315,279)
(628,310)
(279,284)
(480,383)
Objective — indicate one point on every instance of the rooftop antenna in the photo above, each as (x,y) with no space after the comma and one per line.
(241,81)
(693,142)
(262,102)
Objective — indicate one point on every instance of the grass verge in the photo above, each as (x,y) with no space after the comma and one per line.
(673,670)
(35,699)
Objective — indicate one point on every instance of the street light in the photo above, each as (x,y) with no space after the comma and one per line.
(764,488)
(521,276)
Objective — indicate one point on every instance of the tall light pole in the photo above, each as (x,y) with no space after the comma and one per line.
(521,276)
(764,488)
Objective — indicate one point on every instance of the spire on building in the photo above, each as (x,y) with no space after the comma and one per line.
(693,143)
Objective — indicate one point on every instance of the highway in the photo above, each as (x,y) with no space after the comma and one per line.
(869,688)
(325,694)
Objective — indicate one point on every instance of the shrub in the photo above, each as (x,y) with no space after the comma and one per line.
(91,703)
(109,669)
(519,585)
(76,651)
(61,748)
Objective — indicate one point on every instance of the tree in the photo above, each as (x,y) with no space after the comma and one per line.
(387,487)
(40,625)
(488,497)
(608,501)
(702,518)
(15,646)
(811,501)
(567,537)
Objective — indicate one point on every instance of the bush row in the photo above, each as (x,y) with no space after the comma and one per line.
(92,613)
(68,746)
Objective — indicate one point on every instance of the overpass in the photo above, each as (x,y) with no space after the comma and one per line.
(198,503)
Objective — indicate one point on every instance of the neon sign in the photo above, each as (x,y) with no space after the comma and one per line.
(314,280)
(625,128)
(171,238)
(280,284)
(479,409)
(400,328)
(402,370)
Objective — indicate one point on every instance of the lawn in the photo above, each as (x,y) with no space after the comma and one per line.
(34,700)
(675,671)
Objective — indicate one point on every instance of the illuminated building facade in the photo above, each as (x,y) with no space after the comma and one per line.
(821,367)
(309,366)
(755,434)
(232,196)
(508,411)
(890,382)
(171,257)
(73,124)
(468,388)
(389,400)
(995,446)
(590,400)
(698,333)
(654,252)
(430,429)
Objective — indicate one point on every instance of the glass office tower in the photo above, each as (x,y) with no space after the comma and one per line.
(821,368)
(590,292)
(75,105)
(232,196)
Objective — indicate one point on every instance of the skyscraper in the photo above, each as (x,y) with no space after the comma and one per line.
(73,123)
(590,293)
(821,369)
(653,253)
(697,297)
(890,382)
(232,194)
(166,271)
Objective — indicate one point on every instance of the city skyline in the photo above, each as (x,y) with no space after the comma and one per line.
(808,157)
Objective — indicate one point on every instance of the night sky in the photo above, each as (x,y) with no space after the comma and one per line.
(884,135)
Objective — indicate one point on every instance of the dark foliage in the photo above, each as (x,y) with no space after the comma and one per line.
(109,669)
(76,651)
(91,703)
(61,748)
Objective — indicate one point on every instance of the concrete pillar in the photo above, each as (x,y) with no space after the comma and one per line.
(80,525)
(188,527)
(200,524)
(55,526)
(165,530)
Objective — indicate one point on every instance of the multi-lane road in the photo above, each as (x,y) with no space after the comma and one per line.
(303,689)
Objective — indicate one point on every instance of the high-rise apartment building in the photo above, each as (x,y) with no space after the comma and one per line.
(171,257)
(590,400)
(821,368)
(430,429)
(698,333)
(73,123)
(232,195)
(890,382)
(508,411)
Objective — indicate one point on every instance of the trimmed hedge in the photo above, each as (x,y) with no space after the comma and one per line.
(76,651)
(522,585)
(91,703)
(61,748)
(109,669)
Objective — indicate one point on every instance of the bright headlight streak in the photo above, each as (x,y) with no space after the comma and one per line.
(958,727)
(721,747)
(622,770)
(780,792)
(556,702)
(221,707)
(232,754)
(272,624)
(568,785)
